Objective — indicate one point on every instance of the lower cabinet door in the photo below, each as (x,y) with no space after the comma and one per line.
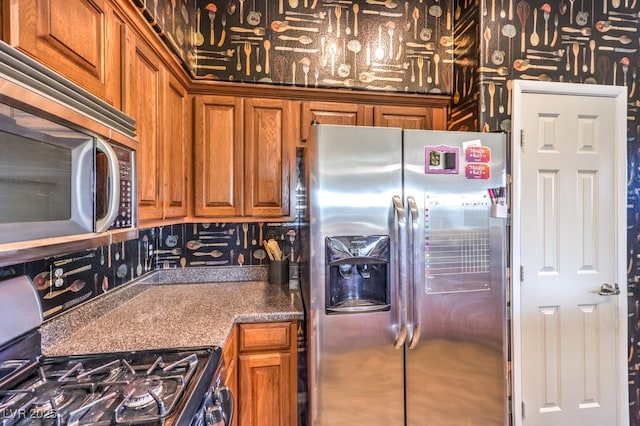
(265,389)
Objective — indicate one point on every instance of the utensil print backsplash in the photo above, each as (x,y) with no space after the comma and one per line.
(385,45)
(67,280)
(221,244)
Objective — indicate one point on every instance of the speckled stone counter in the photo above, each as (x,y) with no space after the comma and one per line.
(149,315)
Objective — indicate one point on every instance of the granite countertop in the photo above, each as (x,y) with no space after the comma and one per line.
(160,315)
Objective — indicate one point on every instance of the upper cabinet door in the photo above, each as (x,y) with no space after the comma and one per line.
(143,103)
(349,114)
(177,147)
(218,160)
(419,118)
(80,39)
(270,138)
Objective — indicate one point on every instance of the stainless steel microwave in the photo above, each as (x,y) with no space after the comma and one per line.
(57,180)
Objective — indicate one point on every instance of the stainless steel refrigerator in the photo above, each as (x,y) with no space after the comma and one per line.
(406,280)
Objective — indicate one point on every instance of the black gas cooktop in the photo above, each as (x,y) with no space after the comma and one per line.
(151,387)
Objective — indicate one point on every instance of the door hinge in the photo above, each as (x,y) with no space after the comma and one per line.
(523,407)
(521,273)
(521,137)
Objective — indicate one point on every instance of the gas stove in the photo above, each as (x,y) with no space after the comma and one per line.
(172,386)
(144,388)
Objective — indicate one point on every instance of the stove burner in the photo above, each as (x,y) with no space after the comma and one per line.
(135,388)
(143,391)
(51,398)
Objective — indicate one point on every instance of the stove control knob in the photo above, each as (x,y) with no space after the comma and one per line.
(221,395)
(214,417)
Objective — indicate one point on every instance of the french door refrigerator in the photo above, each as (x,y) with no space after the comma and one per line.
(406,279)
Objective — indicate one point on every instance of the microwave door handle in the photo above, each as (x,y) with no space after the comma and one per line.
(417,252)
(399,273)
(85,156)
(104,223)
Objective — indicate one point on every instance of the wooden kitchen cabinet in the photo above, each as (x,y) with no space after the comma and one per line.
(270,134)
(230,355)
(218,156)
(160,106)
(79,39)
(348,114)
(267,379)
(244,156)
(177,146)
(362,114)
(404,117)
(144,96)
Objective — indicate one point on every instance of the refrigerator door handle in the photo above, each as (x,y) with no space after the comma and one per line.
(399,274)
(413,275)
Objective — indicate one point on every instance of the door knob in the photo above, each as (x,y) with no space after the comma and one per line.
(609,290)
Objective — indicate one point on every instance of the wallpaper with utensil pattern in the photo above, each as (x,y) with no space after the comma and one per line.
(470,50)
(497,41)
(387,45)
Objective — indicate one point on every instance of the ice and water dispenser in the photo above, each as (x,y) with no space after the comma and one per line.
(357,273)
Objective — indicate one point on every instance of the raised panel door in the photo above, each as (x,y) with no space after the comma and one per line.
(418,118)
(264,395)
(80,39)
(568,190)
(177,148)
(270,137)
(143,103)
(218,156)
(348,114)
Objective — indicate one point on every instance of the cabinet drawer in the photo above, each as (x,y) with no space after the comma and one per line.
(266,336)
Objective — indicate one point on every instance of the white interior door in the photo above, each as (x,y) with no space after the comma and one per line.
(569,238)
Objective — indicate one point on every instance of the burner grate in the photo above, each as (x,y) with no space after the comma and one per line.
(121,388)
